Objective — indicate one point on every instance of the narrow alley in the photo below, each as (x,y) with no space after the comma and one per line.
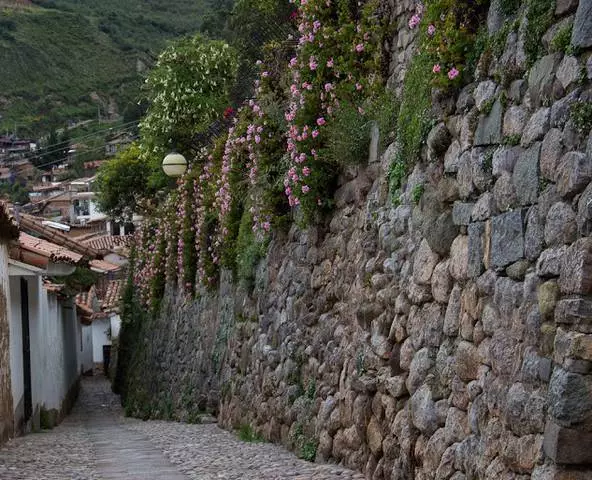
(96,442)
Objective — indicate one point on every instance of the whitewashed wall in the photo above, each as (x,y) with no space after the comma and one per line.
(86,360)
(100,338)
(6,405)
(115,325)
(55,337)
(59,334)
(16,346)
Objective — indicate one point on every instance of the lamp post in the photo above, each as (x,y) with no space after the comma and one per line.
(174,165)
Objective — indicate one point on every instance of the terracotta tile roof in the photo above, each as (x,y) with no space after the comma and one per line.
(85,300)
(51,251)
(108,242)
(113,296)
(104,266)
(34,224)
(87,306)
(52,287)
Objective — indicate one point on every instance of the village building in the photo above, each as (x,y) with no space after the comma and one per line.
(48,336)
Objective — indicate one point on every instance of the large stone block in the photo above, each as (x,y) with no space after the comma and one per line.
(572,345)
(560,227)
(551,151)
(570,397)
(533,239)
(507,238)
(489,130)
(504,159)
(476,233)
(584,218)
(576,312)
(576,268)
(536,127)
(424,263)
(461,213)
(582,29)
(574,172)
(542,76)
(440,233)
(466,363)
(567,446)
(526,175)
(459,257)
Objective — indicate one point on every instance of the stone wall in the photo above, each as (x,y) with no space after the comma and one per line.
(442,337)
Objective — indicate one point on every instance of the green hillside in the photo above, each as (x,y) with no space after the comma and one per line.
(64,60)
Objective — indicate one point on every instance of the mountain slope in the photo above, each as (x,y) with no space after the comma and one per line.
(66,60)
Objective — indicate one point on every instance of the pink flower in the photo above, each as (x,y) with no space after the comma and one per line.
(330,63)
(313,63)
(453,73)
(315,133)
(293,62)
(414,21)
(265,74)
(257,139)
(266,226)
(436,68)
(321,121)
(359,48)
(306,171)
(305,189)
(431,30)
(328,87)
(358,86)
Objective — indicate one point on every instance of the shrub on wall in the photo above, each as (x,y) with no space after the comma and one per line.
(448,45)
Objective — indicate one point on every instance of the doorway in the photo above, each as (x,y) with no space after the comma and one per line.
(26,349)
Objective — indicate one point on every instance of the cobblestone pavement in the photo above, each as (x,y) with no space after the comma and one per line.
(96,442)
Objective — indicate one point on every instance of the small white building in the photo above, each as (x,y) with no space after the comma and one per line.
(101,324)
(45,335)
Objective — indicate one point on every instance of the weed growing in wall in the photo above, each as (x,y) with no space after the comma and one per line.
(248,434)
(581,116)
(448,34)
(539,15)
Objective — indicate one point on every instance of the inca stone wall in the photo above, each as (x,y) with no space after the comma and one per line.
(444,337)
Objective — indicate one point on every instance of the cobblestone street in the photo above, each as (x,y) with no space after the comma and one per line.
(97,442)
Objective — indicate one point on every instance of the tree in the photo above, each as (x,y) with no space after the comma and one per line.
(187,91)
(121,183)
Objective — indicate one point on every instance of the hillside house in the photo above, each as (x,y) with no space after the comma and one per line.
(118,143)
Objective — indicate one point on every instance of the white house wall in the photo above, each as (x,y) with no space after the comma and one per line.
(59,335)
(55,347)
(6,401)
(16,347)
(86,360)
(115,325)
(100,338)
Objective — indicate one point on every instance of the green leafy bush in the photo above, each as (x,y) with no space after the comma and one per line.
(562,40)
(248,434)
(540,15)
(581,116)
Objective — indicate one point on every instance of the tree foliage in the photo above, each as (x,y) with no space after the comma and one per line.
(187,91)
(121,183)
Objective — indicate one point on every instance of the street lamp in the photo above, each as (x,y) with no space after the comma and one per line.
(174,165)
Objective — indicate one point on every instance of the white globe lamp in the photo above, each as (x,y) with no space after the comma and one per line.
(174,165)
